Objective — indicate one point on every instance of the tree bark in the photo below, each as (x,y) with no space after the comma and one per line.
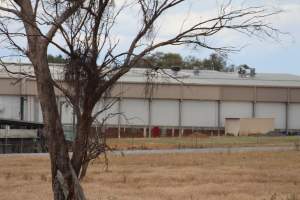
(84,170)
(65,183)
(80,143)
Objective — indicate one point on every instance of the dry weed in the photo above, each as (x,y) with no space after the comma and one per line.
(227,176)
(44,178)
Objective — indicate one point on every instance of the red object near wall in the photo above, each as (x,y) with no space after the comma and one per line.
(155,131)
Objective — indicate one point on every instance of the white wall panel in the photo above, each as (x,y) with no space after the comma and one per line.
(66,110)
(272,110)
(134,111)
(235,110)
(294,116)
(165,112)
(10,107)
(36,107)
(109,115)
(66,113)
(199,113)
(40,114)
(29,108)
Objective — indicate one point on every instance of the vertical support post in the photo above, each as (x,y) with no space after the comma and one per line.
(119,116)
(254,102)
(253,109)
(21,145)
(219,109)
(149,116)
(287,118)
(120,109)
(287,109)
(145,132)
(22,101)
(3,147)
(180,117)
(22,98)
(181,130)
(219,117)
(6,133)
(27,111)
(61,103)
(29,108)
(73,124)
(35,109)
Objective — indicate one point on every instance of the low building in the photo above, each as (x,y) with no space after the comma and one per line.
(195,100)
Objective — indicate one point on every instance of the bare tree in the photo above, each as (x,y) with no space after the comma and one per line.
(95,62)
(37,22)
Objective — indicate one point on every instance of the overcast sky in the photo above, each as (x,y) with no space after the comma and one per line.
(270,56)
(265,55)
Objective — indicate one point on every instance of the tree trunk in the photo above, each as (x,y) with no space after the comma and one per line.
(65,183)
(84,170)
(80,143)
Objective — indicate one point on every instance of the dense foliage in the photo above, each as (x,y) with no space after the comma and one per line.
(162,60)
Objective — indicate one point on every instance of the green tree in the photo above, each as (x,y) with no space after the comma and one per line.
(170,60)
(191,62)
(56,59)
(161,60)
(215,62)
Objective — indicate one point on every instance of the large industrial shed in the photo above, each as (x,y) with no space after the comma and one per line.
(185,101)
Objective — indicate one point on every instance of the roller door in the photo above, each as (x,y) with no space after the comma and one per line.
(134,112)
(110,115)
(66,113)
(199,113)
(30,109)
(65,109)
(165,113)
(294,116)
(235,110)
(10,107)
(272,110)
(36,109)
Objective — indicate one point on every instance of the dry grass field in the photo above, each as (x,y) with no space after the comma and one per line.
(202,142)
(226,176)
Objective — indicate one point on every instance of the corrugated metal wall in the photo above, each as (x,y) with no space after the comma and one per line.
(272,110)
(294,116)
(199,113)
(235,110)
(111,108)
(135,112)
(10,107)
(165,113)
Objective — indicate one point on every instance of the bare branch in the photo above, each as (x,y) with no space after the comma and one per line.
(63,17)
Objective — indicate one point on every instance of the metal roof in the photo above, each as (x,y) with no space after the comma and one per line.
(21,123)
(203,77)
(206,77)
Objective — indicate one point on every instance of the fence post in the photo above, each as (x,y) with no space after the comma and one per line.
(6,132)
(21,145)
